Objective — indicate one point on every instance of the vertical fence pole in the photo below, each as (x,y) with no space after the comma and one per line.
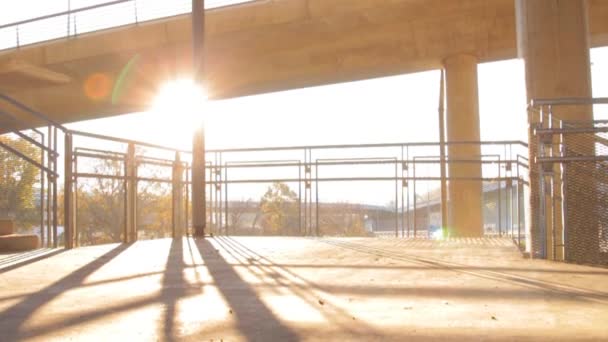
(187,217)
(396,199)
(407,188)
(444,195)
(68,23)
(131,205)
(317,196)
(177,197)
(68,219)
(415,199)
(226,195)
(300,198)
(54,210)
(49,187)
(499,199)
(75,223)
(42,191)
(135,10)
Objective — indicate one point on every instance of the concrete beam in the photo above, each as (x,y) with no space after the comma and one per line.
(270,46)
(16,74)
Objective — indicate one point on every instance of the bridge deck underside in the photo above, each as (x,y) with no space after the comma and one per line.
(264,288)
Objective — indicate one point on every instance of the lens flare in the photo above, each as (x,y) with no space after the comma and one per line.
(97,86)
(123,79)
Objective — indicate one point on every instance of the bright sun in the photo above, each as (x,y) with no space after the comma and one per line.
(182,105)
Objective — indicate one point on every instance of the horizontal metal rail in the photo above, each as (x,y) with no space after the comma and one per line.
(163,10)
(28,159)
(252,165)
(576,130)
(126,141)
(568,101)
(98,156)
(568,159)
(86,149)
(60,14)
(162,163)
(32,112)
(23,136)
(298,180)
(355,146)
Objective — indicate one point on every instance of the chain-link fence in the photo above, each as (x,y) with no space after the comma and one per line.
(572,171)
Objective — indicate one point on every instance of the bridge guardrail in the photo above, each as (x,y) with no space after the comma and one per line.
(77,21)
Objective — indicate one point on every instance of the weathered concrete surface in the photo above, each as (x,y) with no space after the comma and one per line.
(263,46)
(281,289)
(465,216)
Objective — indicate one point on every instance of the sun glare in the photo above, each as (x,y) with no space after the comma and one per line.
(182,102)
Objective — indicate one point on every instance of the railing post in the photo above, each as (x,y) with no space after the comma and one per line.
(69,9)
(177,197)
(131,203)
(135,9)
(68,200)
(442,161)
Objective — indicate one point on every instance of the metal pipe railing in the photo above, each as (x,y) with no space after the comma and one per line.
(154,11)
(568,101)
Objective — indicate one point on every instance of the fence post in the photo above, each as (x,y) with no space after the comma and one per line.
(178,200)
(131,203)
(68,201)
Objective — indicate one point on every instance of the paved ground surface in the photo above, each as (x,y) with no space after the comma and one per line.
(282,289)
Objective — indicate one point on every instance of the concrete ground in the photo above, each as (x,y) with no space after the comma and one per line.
(287,289)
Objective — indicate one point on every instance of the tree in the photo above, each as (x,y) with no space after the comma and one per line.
(100,205)
(17,180)
(279,207)
(237,213)
(343,219)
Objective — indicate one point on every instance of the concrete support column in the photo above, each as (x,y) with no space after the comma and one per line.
(465,196)
(553,38)
(131,195)
(199,181)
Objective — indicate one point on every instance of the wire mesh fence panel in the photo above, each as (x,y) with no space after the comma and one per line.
(585,187)
(572,169)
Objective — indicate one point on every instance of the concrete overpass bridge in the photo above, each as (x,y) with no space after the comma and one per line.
(259,46)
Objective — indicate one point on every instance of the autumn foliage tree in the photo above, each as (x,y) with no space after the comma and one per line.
(17,180)
(279,208)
